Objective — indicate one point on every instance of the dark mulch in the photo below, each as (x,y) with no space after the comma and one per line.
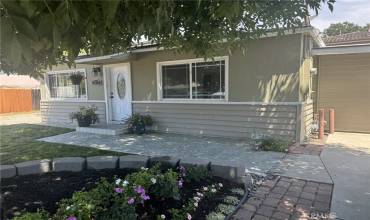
(32,192)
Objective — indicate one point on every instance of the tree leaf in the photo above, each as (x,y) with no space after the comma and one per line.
(16,52)
(24,26)
(109,11)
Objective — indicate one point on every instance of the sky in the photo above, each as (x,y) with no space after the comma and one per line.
(356,11)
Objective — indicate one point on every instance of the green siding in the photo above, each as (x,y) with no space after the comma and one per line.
(267,72)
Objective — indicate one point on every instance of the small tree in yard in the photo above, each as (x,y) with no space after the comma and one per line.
(36,34)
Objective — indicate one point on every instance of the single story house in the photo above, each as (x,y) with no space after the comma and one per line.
(266,91)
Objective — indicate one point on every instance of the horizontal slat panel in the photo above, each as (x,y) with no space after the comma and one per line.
(60,111)
(222,120)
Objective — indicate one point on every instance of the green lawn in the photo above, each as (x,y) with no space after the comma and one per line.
(18,143)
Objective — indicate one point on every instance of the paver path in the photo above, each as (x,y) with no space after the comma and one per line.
(288,199)
(347,158)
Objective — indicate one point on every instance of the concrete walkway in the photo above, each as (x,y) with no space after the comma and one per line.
(347,158)
(218,150)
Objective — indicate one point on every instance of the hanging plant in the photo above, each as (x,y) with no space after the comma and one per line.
(76,78)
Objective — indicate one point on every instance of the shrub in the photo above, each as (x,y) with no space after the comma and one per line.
(231,200)
(274,144)
(39,215)
(215,216)
(137,123)
(197,174)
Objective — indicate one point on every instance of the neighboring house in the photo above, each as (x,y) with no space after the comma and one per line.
(266,91)
(18,93)
(343,81)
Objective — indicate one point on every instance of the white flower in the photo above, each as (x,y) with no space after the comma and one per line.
(143,168)
(163,216)
(154,181)
(68,208)
(205,188)
(118,181)
(195,204)
(196,198)
(125,183)
(220,185)
(213,185)
(199,194)
(213,190)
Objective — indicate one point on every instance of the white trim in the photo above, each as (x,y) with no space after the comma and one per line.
(105,94)
(67,71)
(190,61)
(345,49)
(202,102)
(72,100)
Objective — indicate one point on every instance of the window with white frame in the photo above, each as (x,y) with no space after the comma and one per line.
(61,87)
(193,79)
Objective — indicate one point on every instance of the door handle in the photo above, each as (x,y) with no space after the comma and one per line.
(111,95)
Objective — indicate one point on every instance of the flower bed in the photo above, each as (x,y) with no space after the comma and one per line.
(154,193)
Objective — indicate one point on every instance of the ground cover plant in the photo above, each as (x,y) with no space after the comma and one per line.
(274,144)
(19,143)
(149,193)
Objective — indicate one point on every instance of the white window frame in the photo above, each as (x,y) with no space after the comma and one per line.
(189,62)
(67,71)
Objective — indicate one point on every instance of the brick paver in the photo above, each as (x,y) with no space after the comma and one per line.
(285,199)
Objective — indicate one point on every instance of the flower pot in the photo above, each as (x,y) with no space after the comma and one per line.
(84,122)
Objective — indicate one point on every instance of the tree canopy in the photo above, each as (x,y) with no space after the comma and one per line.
(36,34)
(344,28)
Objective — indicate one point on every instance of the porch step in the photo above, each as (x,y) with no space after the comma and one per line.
(106,129)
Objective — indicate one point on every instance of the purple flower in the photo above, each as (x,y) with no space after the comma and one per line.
(144,197)
(71,218)
(180,183)
(182,170)
(131,201)
(188,216)
(140,190)
(118,190)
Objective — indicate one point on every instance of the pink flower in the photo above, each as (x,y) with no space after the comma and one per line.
(71,218)
(188,216)
(118,190)
(140,190)
(131,201)
(145,197)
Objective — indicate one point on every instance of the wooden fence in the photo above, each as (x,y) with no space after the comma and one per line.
(19,100)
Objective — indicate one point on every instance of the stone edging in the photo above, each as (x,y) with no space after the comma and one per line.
(78,164)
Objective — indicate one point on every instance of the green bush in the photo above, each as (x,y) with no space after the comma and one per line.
(39,215)
(274,144)
(137,123)
(196,174)
(215,216)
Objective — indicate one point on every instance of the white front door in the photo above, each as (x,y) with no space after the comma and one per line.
(119,92)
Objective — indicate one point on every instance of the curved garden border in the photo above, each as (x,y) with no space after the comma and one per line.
(79,164)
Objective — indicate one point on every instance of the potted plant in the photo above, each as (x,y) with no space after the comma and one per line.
(139,124)
(76,78)
(85,116)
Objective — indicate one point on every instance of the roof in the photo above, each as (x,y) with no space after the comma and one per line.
(350,38)
(148,47)
(342,49)
(18,81)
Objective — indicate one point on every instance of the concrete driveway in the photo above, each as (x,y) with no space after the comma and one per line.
(347,158)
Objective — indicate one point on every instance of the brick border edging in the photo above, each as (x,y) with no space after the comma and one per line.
(78,164)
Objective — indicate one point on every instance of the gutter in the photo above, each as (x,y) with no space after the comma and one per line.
(343,49)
